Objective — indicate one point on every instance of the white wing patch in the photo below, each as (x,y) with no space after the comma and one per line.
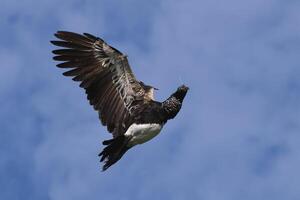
(122,81)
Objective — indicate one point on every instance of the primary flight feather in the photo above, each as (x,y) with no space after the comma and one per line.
(126,106)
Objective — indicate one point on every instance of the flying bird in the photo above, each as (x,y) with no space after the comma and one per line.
(126,106)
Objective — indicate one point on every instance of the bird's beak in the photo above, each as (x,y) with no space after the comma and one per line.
(155,88)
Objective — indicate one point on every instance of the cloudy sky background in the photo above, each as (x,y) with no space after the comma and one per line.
(237,136)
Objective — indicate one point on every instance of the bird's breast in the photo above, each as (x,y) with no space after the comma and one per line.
(141,133)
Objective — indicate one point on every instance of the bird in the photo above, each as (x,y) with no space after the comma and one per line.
(125,105)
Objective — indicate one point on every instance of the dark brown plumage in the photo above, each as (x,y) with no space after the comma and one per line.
(112,89)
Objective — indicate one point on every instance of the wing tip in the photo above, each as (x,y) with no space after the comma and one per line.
(56,52)
(53,42)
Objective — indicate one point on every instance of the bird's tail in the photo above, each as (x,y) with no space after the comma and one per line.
(114,150)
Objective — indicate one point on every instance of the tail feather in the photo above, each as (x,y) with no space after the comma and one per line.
(107,142)
(114,150)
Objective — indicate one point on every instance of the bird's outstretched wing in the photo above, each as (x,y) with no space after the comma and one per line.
(105,74)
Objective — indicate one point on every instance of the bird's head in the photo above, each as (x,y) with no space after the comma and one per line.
(180,92)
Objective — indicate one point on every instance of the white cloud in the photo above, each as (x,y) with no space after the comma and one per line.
(236,136)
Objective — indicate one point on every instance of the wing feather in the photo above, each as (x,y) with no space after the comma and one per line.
(70,45)
(77,71)
(74,37)
(106,76)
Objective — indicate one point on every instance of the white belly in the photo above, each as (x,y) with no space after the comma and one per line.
(142,133)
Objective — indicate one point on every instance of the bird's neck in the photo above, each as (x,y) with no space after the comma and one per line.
(171,107)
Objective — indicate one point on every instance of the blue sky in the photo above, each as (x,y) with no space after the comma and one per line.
(237,136)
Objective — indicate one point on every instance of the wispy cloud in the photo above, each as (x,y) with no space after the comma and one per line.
(235,138)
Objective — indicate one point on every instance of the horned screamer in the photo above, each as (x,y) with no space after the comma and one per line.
(125,105)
